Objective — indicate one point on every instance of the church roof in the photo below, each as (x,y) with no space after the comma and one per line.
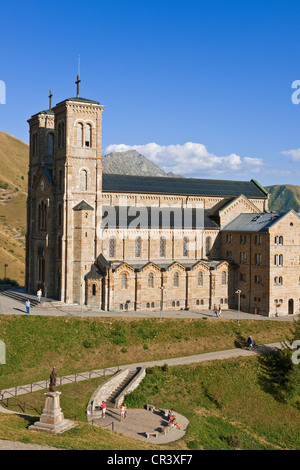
(79,100)
(253,222)
(181,186)
(156,217)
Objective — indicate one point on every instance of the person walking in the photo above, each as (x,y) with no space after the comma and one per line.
(250,343)
(215,312)
(39,295)
(103,406)
(219,311)
(122,412)
(27,303)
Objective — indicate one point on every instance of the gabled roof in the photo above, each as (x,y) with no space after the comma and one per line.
(234,200)
(94,273)
(44,173)
(253,222)
(83,206)
(181,186)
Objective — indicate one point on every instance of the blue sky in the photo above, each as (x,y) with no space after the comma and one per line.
(202,88)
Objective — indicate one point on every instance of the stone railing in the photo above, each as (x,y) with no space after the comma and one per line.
(105,390)
(130,387)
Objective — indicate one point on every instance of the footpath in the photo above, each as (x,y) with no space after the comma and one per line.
(217,355)
(138,421)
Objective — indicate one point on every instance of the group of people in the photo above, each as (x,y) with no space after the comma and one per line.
(27,303)
(217,311)
(172,420)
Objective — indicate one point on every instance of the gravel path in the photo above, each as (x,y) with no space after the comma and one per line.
(12,445)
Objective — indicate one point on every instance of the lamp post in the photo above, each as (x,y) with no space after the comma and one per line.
(238,291)
(161,302)
(5,266)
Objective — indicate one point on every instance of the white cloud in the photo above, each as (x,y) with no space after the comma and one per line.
(192,159)
(293,153)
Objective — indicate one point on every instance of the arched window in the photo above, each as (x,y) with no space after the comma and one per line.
(150,280)
(278,260)
(88,135)
(59,215)
(83,180)
(112,247)
(60,180)
(138,247)
(224,278)
(79,135)
(176,280)
(207,245)
(41,265)
(61,134)
(200,278)
(94,289)
(34,144)
(162,247)
(59,246)
(185,246)
(42,216)
(50,143)
(124,281)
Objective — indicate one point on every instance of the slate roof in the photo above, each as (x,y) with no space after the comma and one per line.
(94,273)
(79,100)
(83,206)
(156,217)
(166,264)
(181,186)
(253,222)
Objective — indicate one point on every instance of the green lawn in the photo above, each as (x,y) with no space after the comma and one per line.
(226,402)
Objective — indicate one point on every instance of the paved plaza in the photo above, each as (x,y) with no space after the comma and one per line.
(13,303)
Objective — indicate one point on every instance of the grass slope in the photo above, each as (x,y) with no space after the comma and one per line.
(284,197)
(227,402)
(13,194)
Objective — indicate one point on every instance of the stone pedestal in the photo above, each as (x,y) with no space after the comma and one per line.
(52,420)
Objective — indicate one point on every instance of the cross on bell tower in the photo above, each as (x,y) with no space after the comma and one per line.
(77,83)
(50,99)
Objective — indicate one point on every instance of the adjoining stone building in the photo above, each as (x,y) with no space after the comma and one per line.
(120,242)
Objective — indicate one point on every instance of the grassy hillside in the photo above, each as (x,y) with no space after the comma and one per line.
(228,403)
(284,197)
(13,194)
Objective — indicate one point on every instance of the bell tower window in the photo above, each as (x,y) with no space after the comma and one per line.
(88,135)
(83,180)
(79,135)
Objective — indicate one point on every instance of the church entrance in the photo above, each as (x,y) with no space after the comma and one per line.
(291,306)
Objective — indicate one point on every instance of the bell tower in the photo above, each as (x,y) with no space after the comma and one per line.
(76,182)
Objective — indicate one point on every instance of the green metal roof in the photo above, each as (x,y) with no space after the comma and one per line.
(181,186)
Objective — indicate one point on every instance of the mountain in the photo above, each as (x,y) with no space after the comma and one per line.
(13,195)
(132,162)
(284,197)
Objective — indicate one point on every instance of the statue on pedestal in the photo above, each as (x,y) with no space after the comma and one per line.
(52,380)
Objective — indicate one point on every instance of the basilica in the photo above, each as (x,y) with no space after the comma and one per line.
(119,242)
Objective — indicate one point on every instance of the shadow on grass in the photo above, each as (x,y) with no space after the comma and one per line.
(273,375)
(240,341)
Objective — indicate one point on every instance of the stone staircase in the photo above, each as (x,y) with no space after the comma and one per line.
(111,400)
(19,297)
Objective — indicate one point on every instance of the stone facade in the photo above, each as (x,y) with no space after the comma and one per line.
(76,254)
